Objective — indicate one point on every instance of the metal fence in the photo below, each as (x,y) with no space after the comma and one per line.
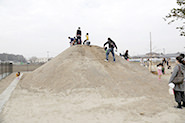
(8,68)
(5,69)
(25,67)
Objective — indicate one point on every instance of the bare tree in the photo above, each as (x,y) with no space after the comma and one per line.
(33,59)
(178,14)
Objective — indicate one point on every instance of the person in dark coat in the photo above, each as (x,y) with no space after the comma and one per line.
(78,36)
(112,45)
(163,63)
(179,89)
(126,55)
(182,55)
(168,63)
(71,41)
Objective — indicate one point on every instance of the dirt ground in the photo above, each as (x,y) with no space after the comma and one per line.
(78,86)
(4,83)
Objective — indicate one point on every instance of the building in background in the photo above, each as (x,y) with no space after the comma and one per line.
(34,60)
(42,60)
(155,56)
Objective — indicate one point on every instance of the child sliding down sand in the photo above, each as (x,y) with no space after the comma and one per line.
(17,75)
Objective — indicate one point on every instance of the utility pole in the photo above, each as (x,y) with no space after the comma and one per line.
(150,44)
(150,62)
(163,50)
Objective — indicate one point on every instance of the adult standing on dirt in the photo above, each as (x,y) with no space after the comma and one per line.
(168,63)
(163,63)
(182,55)
(78,35)
(111,44)
(179,89)
(148,62)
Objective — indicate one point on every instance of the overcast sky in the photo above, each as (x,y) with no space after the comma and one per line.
(33,27)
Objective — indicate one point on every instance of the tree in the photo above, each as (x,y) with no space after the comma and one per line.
(33,59)
(178,14)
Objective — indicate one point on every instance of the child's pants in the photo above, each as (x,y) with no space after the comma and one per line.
(107,53)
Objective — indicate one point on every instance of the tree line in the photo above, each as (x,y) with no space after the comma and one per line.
(11,57)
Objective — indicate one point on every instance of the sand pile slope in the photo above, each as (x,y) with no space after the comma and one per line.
(84,67)
(80,87)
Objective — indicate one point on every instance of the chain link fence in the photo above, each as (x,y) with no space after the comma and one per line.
(5,69)
(8,68)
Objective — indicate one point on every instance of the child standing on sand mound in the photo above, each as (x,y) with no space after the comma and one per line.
(110,49)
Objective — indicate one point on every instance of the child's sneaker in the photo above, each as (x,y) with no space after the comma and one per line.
(106,60)
(179,106)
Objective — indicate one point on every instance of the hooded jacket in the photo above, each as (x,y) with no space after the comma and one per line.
(111,44)
(78,32)
(178,87)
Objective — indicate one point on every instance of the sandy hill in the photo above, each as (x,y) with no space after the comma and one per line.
(84,67)
(78,86)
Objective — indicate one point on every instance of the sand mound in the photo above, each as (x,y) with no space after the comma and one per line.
(79,86)
(84,67)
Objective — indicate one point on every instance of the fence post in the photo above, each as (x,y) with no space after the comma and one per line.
(1,71)
(3,66)
(10,68)
(27,66)
(6,69)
